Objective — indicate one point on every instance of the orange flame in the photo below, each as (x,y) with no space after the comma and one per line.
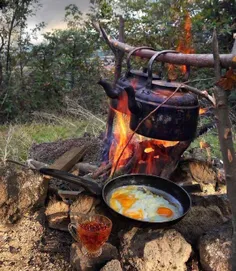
(121,133)
(202,111)
(184,46)
(165,143)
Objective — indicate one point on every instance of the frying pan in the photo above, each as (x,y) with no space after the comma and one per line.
(169,190)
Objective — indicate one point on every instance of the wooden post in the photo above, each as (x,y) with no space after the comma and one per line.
(119,55)
(226,142)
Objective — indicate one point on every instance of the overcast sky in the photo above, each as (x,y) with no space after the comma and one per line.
(52,13)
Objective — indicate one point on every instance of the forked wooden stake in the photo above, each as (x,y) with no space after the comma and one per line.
(225,138)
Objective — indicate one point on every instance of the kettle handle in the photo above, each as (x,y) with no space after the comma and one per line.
(131,53)
(151,61)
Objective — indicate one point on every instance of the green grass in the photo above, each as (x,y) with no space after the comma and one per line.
(15,140)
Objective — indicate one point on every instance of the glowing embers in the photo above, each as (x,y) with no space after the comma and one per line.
(152,155)
(148,150)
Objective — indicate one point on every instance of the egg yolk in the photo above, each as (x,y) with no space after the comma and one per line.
(135,214)
(126,201)
(164,211)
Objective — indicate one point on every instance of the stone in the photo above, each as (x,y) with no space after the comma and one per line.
(18,243)
(55,206)
(197,171)
(113,265)
(198,221)
(31,246)
(57,213)
(21,191)
(215,248)
(83,204)
(219,200)
(154,250)
(82,263)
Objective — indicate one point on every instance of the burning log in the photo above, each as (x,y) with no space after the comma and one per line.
(175,154)
(102,170)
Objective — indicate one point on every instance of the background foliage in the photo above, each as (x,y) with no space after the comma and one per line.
(39,77)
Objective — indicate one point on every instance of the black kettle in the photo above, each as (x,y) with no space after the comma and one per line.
(134,78)
(176,120)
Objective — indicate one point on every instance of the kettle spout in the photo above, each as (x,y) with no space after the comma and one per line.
(133,105)
(108,89)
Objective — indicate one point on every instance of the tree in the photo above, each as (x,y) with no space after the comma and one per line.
(15,45)
(159,23)
(13,22)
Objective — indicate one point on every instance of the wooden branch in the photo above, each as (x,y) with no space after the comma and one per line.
(196,60)
(119,54)
(101,170)
(85,167)
(103,35)
(33,164)
(203,94)
(226,142)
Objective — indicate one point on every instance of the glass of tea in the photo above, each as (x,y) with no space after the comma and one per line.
(92,232)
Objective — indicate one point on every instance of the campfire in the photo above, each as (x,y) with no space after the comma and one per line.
(140,154)
(153,123)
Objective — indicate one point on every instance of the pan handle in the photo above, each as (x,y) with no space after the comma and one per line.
(191,188)
(87,183)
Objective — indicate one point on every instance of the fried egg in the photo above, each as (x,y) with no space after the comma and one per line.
(138,202)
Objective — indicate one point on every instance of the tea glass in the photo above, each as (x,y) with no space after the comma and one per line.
(92,232)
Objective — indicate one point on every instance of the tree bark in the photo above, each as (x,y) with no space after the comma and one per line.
(197,60)
(226,141)
(1,76)
(72,77)
(8,56)
(119,55)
